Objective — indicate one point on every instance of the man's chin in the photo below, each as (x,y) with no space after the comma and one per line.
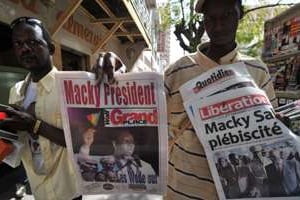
(221,41)
(29,66)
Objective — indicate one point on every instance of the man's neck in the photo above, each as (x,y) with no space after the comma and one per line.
(215,52)
(38,75)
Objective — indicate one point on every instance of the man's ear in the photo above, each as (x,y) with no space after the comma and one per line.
(51,48)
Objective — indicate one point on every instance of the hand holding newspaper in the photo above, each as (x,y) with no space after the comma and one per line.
(251,154)
(116,134)
(9,145)
(290,115)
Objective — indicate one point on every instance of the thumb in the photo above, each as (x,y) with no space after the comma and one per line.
(98,71)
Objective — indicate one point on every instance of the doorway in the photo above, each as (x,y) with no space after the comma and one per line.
(73,60)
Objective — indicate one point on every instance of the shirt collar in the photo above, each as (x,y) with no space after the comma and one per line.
(48,81)
(226,59)
(229,57)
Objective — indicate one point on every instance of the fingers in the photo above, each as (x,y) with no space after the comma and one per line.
(100,76)
(21,116)
(112,80)
(107,63)
(110,76)
(116,61)
(8,123)
(3,107)
(110,62)
(98,70)
(16,107)
(12,111)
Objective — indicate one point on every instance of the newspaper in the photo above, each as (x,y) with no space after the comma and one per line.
(116,134)
(228,76)
(13,159)
(290,113)
(251,154)
(290,109)
(203,85)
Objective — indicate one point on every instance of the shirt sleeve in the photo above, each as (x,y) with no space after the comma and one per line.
(267,86)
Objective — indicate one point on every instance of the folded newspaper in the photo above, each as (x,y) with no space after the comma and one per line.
(13,159)
(251,154)
(291,115)
(116,134)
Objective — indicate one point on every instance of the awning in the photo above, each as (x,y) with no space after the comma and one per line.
(121,18)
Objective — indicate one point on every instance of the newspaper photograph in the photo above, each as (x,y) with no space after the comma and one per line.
(251,154)
(116,134)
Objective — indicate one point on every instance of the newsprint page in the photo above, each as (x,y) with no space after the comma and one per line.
(116,134)
(251,154)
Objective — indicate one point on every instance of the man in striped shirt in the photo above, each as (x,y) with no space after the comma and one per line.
(189,175)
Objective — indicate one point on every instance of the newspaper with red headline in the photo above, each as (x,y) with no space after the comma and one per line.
(251,154)
(116,134)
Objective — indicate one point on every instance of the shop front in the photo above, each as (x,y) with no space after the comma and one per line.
(282,53)
(83,28)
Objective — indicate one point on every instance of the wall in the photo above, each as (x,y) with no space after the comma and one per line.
(77,33)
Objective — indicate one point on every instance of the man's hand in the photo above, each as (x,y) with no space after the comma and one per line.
(284,119)
(18,119)
(108,63)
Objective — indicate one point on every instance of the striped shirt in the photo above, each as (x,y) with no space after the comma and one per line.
(189,175)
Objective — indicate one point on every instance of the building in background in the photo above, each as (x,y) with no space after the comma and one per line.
(282,53)
(148,59)
(163,45)
(164,39)
(83,28)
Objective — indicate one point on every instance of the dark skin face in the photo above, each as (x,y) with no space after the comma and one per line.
(221,20)
(31,50)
